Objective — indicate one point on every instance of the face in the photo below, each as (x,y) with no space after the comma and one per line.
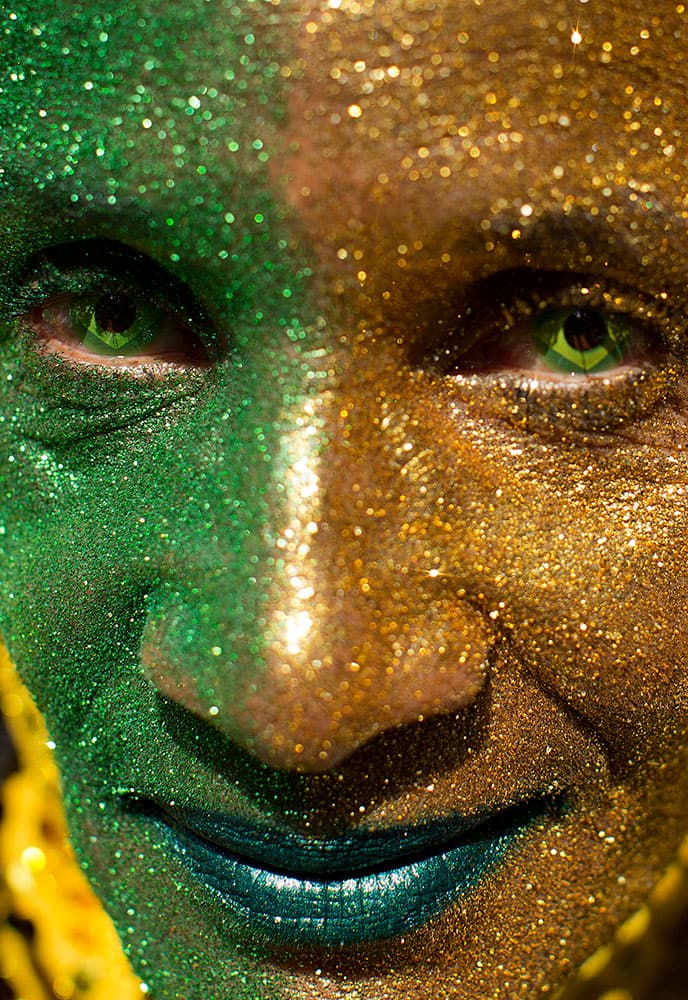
(344,487)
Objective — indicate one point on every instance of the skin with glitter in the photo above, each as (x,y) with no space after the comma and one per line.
(313,547)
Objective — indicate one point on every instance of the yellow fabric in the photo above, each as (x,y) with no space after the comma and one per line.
(74,953)
(647,958)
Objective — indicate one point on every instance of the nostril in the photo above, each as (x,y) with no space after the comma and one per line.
(332,673)
(314,713)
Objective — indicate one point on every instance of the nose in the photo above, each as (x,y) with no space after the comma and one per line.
(355,629)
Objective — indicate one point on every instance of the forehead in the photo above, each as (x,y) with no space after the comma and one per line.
(427,74)
(463,112)
(351,127)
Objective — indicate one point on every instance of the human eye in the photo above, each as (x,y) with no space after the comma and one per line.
(555,351)
(101,305)
(96,336)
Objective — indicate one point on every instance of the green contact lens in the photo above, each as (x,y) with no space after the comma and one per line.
(115,322)
(582,340)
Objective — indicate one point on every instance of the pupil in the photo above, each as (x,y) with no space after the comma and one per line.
(584,329)
(115,312)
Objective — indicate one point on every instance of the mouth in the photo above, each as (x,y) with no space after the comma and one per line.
(354,889)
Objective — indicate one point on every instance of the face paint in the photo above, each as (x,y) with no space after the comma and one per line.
(353,610)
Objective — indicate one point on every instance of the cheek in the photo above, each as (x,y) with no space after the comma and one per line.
(601,610)
(575,558)
(74,572)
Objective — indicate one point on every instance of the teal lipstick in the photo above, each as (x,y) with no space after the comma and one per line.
(339,892)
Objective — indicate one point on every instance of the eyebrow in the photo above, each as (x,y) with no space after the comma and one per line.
(223,283)
(589,241)
(577,245)
(58,202)
(578,228)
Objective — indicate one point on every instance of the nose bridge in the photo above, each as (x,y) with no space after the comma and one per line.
(366,633)
(354,632)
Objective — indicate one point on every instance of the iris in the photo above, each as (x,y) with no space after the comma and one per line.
(582,340)
(114,322)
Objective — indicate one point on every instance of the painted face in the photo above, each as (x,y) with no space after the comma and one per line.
(344,491)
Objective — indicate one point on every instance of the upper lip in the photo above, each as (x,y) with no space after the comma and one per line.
(350,854)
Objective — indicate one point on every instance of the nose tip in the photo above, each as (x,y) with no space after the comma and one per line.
(334,674)
(332,686)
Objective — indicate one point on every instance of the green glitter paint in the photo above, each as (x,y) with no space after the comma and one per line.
(110,127)
(302,580)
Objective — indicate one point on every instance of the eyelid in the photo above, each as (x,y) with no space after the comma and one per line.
(588,405)
(90,265)
(494,310)
(492,307)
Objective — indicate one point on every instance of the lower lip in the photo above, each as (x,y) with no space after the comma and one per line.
(311,912)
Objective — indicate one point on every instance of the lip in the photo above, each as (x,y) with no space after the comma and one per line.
(358,888)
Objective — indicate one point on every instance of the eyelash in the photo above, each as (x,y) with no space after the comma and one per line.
(542,400)
(60,287)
